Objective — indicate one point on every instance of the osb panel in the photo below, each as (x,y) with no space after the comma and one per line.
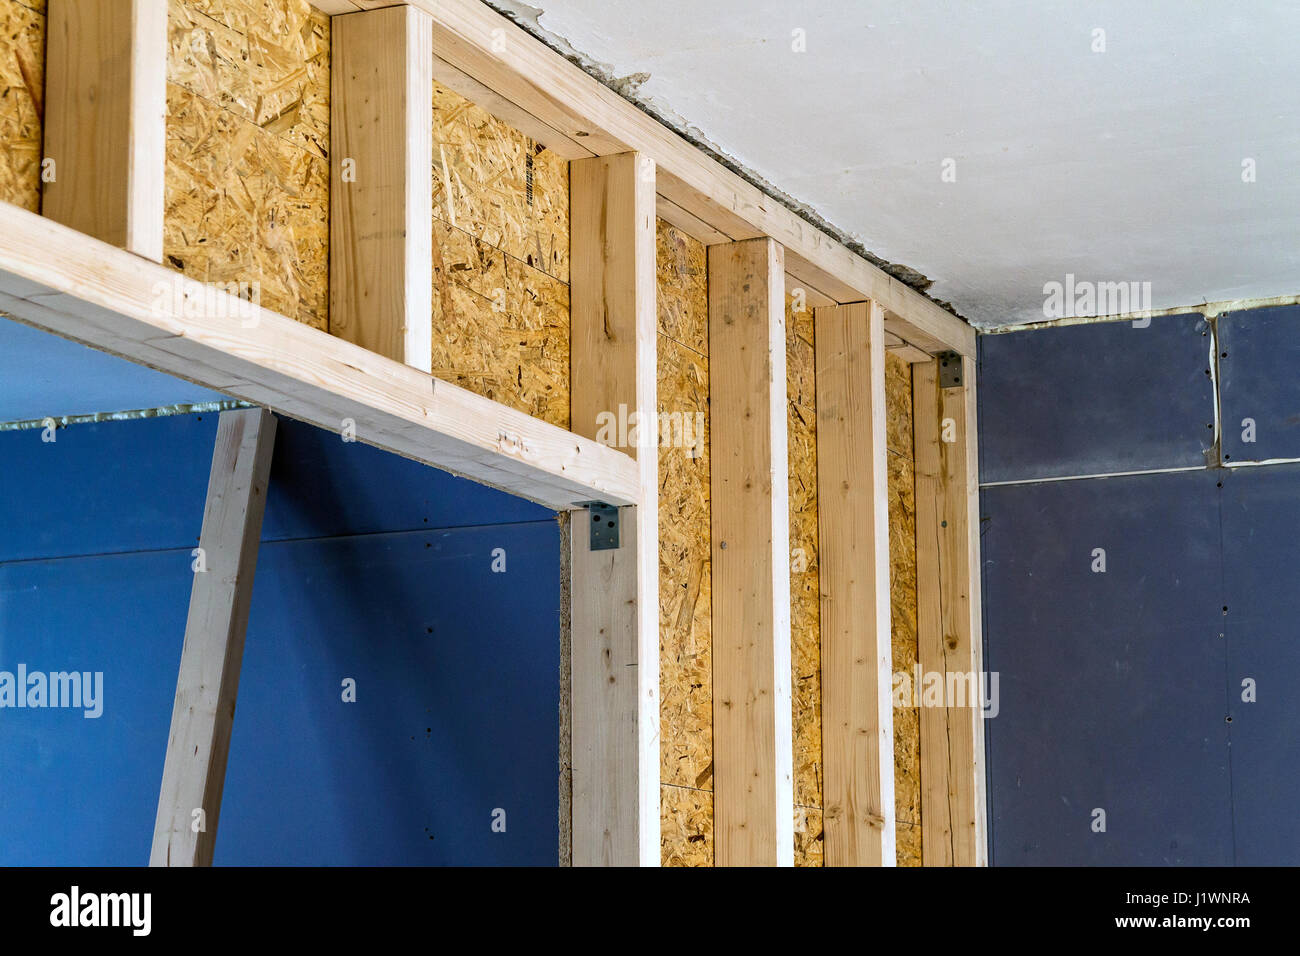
(685,552)
(501,328)
(809,838)
(247,178)
(499,186)
(908,852)
(686,826)
(800,360)
(902,598)
(805,607)
(685,605)
(683,275)
(22,88)
(242,206)
(898,405)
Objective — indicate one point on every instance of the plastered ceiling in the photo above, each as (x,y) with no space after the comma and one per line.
(1119,156)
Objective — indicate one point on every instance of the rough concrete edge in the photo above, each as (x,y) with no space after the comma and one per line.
(628,87)
(566,690)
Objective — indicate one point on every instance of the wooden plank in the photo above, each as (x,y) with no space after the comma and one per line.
(953,802)
(853,562)
(57,279)
(381,188)
(615,593)
(752,723)
(335,7)
(474,39)
(194,772)
(106,120)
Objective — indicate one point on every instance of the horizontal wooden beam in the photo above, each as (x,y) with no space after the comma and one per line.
(574,114)
(60,280)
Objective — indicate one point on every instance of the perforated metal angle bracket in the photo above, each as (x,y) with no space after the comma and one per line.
(949,369)
(604,525)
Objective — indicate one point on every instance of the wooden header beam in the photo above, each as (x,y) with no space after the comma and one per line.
(55,278)
(495,63)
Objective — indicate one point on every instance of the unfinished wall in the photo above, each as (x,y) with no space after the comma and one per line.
(500,261)
(685,556)
(805,597)
(247,182)
(902,603)
(22,95)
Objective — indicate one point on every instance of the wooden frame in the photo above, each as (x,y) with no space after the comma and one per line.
(954,821)
(381,192)
(853,557)
(83,273)
(753,801)
(615,593)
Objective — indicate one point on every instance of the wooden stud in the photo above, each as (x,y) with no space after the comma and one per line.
(194,772)
(615,593)
(106,120)
(953,815)
(381,186)
(57,279)
(752,721)
(853,562)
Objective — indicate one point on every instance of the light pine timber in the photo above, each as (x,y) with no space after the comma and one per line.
(576,115)
(381,186)
(749,479)
(953,800)
(853,563)
(195,768)
(54,278)
(106,120)
(615,593)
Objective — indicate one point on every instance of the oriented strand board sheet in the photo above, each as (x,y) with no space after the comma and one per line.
(499,186)
(805,599)
(902,603)
(500,261)
(22,88)
(685,614)
(247,180)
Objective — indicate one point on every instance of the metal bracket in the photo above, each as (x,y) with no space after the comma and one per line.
(604,525)
(949,369)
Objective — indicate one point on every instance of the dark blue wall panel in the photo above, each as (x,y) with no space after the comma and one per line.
(1095,399)
(1259,363)
(1261,550)
(372,567)
(1111,684)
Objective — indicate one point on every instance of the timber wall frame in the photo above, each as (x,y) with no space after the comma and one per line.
(88,271)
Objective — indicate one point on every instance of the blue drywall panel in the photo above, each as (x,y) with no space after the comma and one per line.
(1261,547)
(1095,399)
(456,711)
(1259,364)
(464,660)
(1111,685)
(140,484)
(42,375)
(76,790)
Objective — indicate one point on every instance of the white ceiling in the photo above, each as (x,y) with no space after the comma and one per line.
(1123,165)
